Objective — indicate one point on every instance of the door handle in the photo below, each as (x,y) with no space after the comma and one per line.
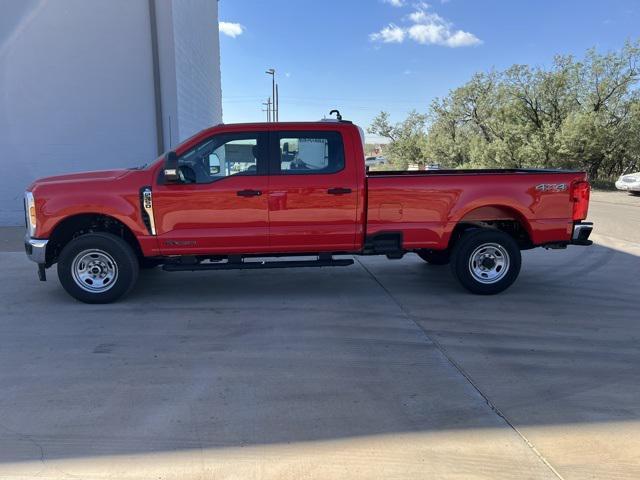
(249,193)
(338,191)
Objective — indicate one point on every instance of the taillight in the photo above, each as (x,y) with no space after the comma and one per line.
(580,192)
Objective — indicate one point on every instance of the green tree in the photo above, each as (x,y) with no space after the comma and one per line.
(407,138)
(575,114)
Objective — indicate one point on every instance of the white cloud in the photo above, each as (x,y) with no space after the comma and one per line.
(418,16)
(460,38)
(395,3)
(389,34)
(231,29)
(426,28)
(426,34)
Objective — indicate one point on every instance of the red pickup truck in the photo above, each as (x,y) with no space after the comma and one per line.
(244,196)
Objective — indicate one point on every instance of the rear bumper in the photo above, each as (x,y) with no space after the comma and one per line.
(36,249)
(581,233)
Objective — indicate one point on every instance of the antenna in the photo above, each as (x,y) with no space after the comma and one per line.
(337,112)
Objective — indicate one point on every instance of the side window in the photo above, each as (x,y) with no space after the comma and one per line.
(222,156)
(310,153)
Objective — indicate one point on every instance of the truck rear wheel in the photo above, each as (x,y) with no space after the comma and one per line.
(97,268)
(485,261)
(435,257)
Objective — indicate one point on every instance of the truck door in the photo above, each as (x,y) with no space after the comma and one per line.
(220,205)
(313,193)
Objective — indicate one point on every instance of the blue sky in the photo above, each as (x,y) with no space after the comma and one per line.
(363,56)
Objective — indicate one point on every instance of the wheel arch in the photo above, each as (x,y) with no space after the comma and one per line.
(75,225)
(496,216)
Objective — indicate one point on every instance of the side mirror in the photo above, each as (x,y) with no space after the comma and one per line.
(214,164)
(171,174)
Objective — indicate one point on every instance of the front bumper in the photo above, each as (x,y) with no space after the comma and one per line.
(581,233)
(36,249)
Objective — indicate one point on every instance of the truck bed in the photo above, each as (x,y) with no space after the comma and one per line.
(427,205)
(467,171)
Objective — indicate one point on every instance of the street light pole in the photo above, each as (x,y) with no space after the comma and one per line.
(277,104)
(272,72)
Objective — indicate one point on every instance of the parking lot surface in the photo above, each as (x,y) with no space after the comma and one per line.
(385,369)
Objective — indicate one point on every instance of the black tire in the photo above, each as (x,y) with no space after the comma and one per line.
(112,252)
(435,257)
(499,249)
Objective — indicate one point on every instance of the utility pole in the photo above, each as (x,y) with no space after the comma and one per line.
(272,72)
(268,110)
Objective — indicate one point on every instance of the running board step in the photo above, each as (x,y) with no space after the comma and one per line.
(177,267)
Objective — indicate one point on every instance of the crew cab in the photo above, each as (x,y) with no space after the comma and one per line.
(267,195)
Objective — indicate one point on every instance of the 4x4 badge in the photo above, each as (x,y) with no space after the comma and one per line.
(551,187)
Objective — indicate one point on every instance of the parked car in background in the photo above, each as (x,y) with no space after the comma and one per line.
(629,183)
(374,161)
(423,166)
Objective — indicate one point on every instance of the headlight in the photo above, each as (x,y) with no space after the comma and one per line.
(30,213)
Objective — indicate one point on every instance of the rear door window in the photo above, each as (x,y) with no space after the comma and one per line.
(308,153)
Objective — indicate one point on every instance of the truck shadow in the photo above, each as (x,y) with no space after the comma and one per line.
(228,359)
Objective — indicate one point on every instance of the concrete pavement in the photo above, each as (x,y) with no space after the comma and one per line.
(385,369)
(617,214)
(11,239)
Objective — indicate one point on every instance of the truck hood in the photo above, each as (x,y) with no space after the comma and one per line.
(99,176)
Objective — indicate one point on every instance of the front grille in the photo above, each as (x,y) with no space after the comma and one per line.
(630,179)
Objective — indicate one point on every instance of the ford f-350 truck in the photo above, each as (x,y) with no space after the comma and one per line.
(245,196)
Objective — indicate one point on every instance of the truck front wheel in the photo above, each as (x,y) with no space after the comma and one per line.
(485,261)
(97,268)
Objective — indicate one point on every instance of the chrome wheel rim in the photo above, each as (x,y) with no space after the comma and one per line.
(489,263)
(94,271)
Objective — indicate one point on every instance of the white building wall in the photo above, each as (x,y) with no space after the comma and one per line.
(197,64)
(189,53)
(77,85)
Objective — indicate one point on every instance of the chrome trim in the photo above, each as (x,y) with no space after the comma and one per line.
(498,265)
(29,202)
(147,204)
(94,271)
(579,227)
(38,249)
